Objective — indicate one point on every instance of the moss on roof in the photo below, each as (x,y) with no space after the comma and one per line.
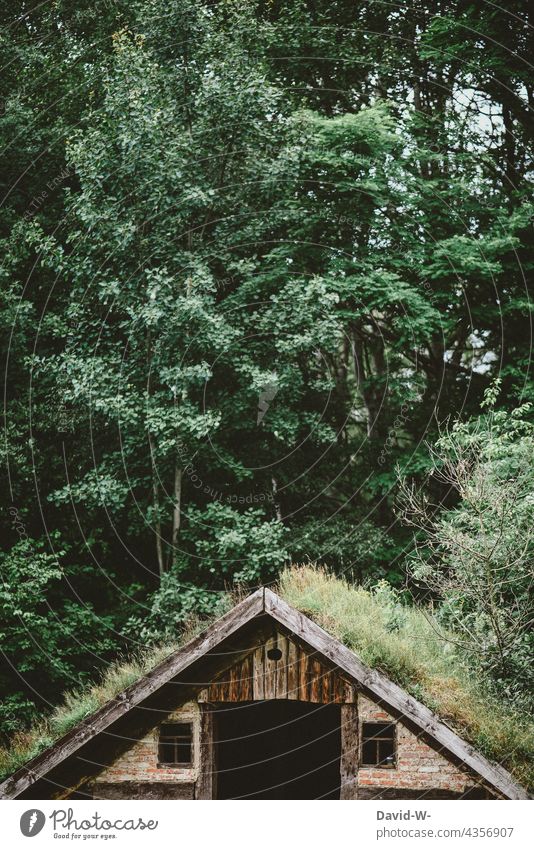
(404,642)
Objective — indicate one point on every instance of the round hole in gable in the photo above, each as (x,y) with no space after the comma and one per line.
(274,654)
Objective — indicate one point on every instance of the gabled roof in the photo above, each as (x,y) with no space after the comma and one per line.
(262,604)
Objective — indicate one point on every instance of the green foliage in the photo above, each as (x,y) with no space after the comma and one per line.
(209,207)
(358,550)
(479,554)
(45,629)
(174,605)
(78,705)
(240,544)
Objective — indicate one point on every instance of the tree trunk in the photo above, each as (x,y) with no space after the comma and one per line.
(152,448)
(277,508)
(156,504)
(369,364)
(509,147)
(176,515)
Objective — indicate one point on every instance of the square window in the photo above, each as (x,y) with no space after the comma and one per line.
(378,744)
(175,746)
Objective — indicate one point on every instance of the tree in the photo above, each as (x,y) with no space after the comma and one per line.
(253,254)
(478,555)
(49,636)
(146,332)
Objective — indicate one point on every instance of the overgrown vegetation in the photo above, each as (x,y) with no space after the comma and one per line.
(254,256)
(405,642)
(478,557)
(411,646)
(78,705)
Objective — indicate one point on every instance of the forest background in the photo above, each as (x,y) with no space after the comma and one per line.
(265,299)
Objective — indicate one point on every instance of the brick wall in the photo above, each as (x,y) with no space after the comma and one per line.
(140,763)
(418,766)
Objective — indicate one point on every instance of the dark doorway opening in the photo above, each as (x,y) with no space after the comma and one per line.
(278,750)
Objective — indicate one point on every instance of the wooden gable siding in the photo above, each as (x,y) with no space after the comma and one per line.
(299,674)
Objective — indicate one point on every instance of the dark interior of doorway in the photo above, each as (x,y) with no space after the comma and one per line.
(279,749)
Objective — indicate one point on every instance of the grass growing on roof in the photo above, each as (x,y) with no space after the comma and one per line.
(409,646)
(404,642)
(77,705)
(80,703)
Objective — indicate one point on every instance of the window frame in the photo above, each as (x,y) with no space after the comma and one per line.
(177,738)
(376,739)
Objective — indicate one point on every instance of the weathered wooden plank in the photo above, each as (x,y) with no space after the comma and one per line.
(327,685)
(334,688)
(303,675)
(234,683)
(349,752)
(270,670)
(205,784)
(239,683)
(281,671)
(349,693)
(258,674)
(393,697)
(246,683)
(292,670)
(322,684)
(337,688)
(314,679)
(223,687)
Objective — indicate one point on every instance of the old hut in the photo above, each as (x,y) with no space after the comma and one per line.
(263,704)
